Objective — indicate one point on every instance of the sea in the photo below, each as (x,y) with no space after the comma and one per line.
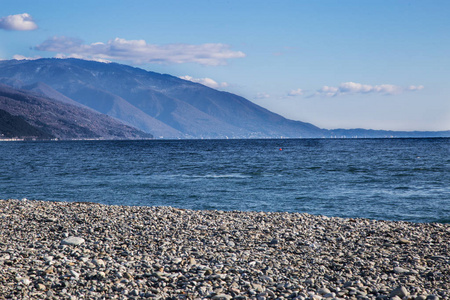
(383,179)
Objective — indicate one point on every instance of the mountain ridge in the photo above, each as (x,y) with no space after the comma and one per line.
(163,105)
(188,109)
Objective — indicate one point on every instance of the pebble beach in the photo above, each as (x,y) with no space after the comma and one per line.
(79,250)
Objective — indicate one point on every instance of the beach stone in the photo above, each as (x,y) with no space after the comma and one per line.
(25,281)
(75,274)
(72,240)
(99,263)
(101,275)
(400,270)
(128,276)
(84,259)
(323,291)
(177,260)
(400,291)
(404,241)
(192,261)
(222,297)
(274,242)
(48,258)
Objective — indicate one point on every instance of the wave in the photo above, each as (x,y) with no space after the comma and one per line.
(230,175)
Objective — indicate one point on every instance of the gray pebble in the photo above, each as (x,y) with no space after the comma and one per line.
(72,240)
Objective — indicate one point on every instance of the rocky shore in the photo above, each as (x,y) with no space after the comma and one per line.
(51,250)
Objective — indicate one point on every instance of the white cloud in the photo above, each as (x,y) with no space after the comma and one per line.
(20,22)
(328,91)
(415,87)
(350,88)
(21,57)
(60,55)
(262,96)
(206,81)
(139,52)
(297,92)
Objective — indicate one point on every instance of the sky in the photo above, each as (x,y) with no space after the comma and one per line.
(336,64)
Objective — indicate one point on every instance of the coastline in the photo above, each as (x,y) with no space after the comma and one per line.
(77,250)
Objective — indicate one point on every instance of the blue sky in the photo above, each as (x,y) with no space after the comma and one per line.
(336,64)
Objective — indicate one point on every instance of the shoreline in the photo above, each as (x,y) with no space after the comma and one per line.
(24,139)
(78,250)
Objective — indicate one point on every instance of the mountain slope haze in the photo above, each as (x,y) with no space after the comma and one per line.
(163,105)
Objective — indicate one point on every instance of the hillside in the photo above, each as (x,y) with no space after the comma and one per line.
(25,114)
(163,105)
(14,126)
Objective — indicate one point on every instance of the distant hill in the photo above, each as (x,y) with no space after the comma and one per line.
(24,114)
(161,105)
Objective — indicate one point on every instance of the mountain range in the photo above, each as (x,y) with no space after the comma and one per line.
(110,100)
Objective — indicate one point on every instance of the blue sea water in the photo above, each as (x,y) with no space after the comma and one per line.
(389,179)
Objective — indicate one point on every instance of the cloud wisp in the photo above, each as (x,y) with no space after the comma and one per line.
(140,52)
(352,88)
(20,22)
(262,96)
(297,92)
(21,57)
(206,81)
